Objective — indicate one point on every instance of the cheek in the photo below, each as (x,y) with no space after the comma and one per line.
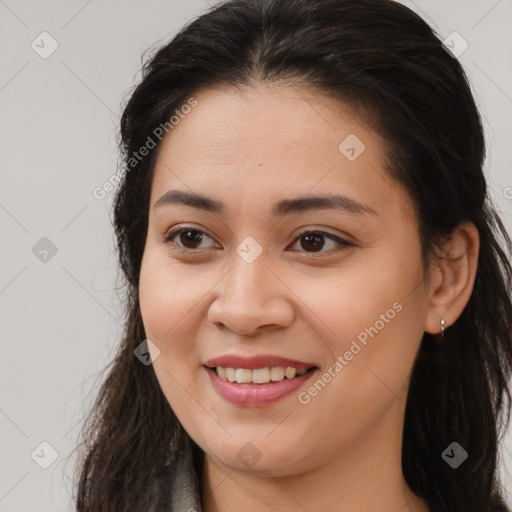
(369,379)
(376,317)
(167,298)
(370,297)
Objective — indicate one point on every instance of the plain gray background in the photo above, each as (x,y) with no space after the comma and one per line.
(60,318)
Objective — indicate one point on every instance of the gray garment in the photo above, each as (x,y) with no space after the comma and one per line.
(186,496)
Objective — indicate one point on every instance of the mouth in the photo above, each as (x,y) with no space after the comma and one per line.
(257,387)
(259,376)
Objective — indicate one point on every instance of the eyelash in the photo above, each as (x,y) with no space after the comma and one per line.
(343,244)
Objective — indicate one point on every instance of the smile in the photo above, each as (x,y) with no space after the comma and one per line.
(258,387)
(259,375)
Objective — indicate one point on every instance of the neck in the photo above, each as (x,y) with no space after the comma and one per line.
(367,477)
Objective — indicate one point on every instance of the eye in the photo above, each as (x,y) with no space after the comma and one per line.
(191,238)
(314,242)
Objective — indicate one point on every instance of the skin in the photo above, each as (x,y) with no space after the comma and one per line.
(249,149)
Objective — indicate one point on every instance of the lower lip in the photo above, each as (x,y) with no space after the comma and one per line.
(256,395)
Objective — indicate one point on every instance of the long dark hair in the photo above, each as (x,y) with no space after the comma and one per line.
(384,61)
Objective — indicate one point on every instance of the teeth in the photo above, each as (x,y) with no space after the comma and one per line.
(230,374)
(277,373)
(289,373)
(259,375)
(243,376)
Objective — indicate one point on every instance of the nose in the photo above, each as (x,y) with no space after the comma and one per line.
(251,300)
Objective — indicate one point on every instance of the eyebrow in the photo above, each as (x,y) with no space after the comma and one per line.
(281,208)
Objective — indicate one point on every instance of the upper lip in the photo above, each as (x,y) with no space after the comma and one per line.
(254,362)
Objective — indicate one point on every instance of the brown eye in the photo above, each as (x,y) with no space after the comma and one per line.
(314,241)
(188,238)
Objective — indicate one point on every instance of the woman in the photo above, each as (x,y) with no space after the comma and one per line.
(318,288)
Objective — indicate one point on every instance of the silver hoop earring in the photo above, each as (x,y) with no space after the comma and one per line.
(442,326)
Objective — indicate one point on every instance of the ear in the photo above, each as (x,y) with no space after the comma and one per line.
(452,277)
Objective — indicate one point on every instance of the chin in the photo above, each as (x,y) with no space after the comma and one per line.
(258,454)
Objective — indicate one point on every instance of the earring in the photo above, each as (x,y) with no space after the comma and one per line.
(442,326)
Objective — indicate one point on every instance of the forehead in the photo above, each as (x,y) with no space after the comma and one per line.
(268,142)
(266,122)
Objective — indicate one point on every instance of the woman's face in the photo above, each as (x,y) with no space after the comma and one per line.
(249,288)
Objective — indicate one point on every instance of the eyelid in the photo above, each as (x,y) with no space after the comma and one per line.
(317,229)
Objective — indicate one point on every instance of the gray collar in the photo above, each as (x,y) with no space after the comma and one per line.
(185,489)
